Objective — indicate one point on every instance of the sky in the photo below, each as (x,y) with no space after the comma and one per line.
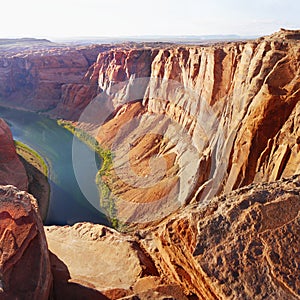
(113,18)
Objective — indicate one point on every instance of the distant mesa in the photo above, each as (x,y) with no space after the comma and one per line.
(285,34)
(23,40)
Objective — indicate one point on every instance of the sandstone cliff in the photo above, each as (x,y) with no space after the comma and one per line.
(35,79)
(12,170)
(234,108)
(24,259)
(183,125)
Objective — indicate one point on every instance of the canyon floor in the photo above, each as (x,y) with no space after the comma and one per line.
(201,169)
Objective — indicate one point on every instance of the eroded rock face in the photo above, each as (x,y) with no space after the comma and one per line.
(237,102)
(25,271)
(38,79)
(235,105)
(238,106)
(12,170)
(243,245)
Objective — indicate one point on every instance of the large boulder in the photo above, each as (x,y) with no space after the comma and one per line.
(25,271)
(91,261)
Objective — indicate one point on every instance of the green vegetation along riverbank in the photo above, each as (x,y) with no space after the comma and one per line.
(107,202)
(37,172)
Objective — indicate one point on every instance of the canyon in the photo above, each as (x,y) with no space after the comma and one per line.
(204,174)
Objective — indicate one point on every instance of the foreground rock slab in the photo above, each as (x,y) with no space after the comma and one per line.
(25,271)
(95,258)
(244,245)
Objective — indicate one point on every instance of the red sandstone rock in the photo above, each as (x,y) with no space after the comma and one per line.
(24,260)
(243,245)
(242,117)
(244,85)
(36,80)
(12,170)
(244,95)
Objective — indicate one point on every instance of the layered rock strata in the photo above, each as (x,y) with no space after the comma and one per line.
(238,102)
(183,124)
(220,117)
(37,79)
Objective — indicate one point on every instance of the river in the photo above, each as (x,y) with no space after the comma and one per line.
(67,204)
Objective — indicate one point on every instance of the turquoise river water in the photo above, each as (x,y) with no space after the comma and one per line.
(67,205)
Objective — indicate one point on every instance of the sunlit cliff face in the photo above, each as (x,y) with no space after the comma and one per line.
(212,118)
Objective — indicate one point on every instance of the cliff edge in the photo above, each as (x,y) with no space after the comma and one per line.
(203,149)
(242,245)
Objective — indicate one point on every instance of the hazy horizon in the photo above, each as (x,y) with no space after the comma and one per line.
(60,19)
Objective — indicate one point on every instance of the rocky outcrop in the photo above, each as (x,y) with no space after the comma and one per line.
(242,245)
(24,260)
(12,170)
(76,97)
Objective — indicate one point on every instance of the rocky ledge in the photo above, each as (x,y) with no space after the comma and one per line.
(242,245)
